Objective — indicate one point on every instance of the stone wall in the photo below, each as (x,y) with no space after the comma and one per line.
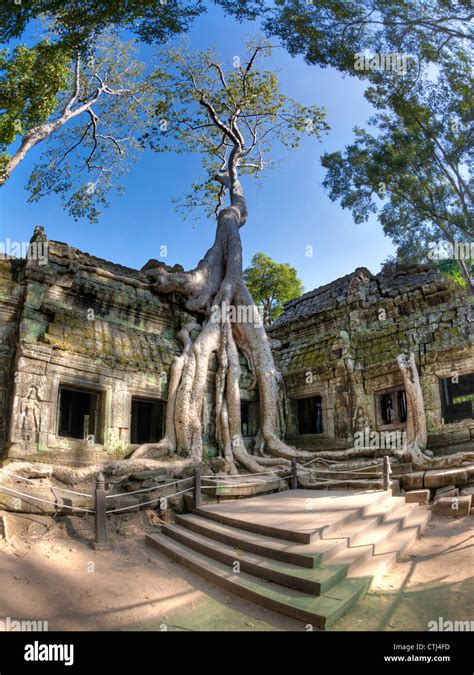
(341,342)
(84,322)
(11,297)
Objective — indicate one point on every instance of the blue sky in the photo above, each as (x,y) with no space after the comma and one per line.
(289,211)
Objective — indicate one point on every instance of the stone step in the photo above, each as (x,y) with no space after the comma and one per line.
(391,550)
(317,442)
(319,611)
(331,517)
(374,516)
(314,581)
(392,536)
(189,500)
(302,555)
(242,486)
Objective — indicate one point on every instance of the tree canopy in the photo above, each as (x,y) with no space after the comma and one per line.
(78,21)
(208,106)
(415,169)
(331,32)
(271,284)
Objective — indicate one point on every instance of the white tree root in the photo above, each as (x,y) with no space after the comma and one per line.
(212,289)
(76,475)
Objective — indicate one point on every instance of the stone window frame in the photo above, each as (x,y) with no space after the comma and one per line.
(378,414)
(441,377)
(254,416)
(82,384)
(142,392)
(442,372)
(314,394)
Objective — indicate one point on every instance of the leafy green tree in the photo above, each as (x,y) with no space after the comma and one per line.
(81,88)
(331,32)
(78,21)
(187,121)
(233,115)
(91,110)
(271,285)
(415,172)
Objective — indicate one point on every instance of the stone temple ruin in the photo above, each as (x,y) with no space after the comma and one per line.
(86,349)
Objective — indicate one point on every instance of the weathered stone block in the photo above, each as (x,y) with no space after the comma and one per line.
(443,477)
(396,491)
(417,497)
(448,491)
(413,481)
(455,507)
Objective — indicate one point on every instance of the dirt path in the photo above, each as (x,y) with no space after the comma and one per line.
(46,574)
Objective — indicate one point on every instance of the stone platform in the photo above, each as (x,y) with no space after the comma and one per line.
(309,554)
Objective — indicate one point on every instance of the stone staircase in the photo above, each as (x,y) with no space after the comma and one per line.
(310,565)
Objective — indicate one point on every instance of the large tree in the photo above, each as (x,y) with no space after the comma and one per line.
(331,32)
(415,171)
(77,21)
(90,109)
(271,284)
(232,116)
(78,84)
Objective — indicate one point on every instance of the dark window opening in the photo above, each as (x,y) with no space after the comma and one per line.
(458,398)
(249,412)
(387,408)
(245,417)
(79,413)
(147,421)
(310,415)
(391,407)
(402,405)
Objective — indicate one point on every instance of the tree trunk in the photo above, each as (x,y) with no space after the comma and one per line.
(416,418)
(465,275)
(231,324)
(29,141)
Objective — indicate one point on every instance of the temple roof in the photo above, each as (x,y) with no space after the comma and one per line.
(360,284)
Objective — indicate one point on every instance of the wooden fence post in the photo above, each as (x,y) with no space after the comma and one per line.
(197,489)
(294,475)
(100,542)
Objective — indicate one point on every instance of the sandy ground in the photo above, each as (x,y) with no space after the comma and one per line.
(50,573)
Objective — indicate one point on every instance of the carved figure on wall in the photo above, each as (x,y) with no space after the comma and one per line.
(30,416)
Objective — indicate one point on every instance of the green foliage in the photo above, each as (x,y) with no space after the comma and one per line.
(451,269)
(331,32)
(197,89)
(271,284)
(414,171)
(37,82)
(86,157)
(30,82)
(78,21)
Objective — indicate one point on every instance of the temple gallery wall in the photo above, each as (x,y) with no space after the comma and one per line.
(86,350)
